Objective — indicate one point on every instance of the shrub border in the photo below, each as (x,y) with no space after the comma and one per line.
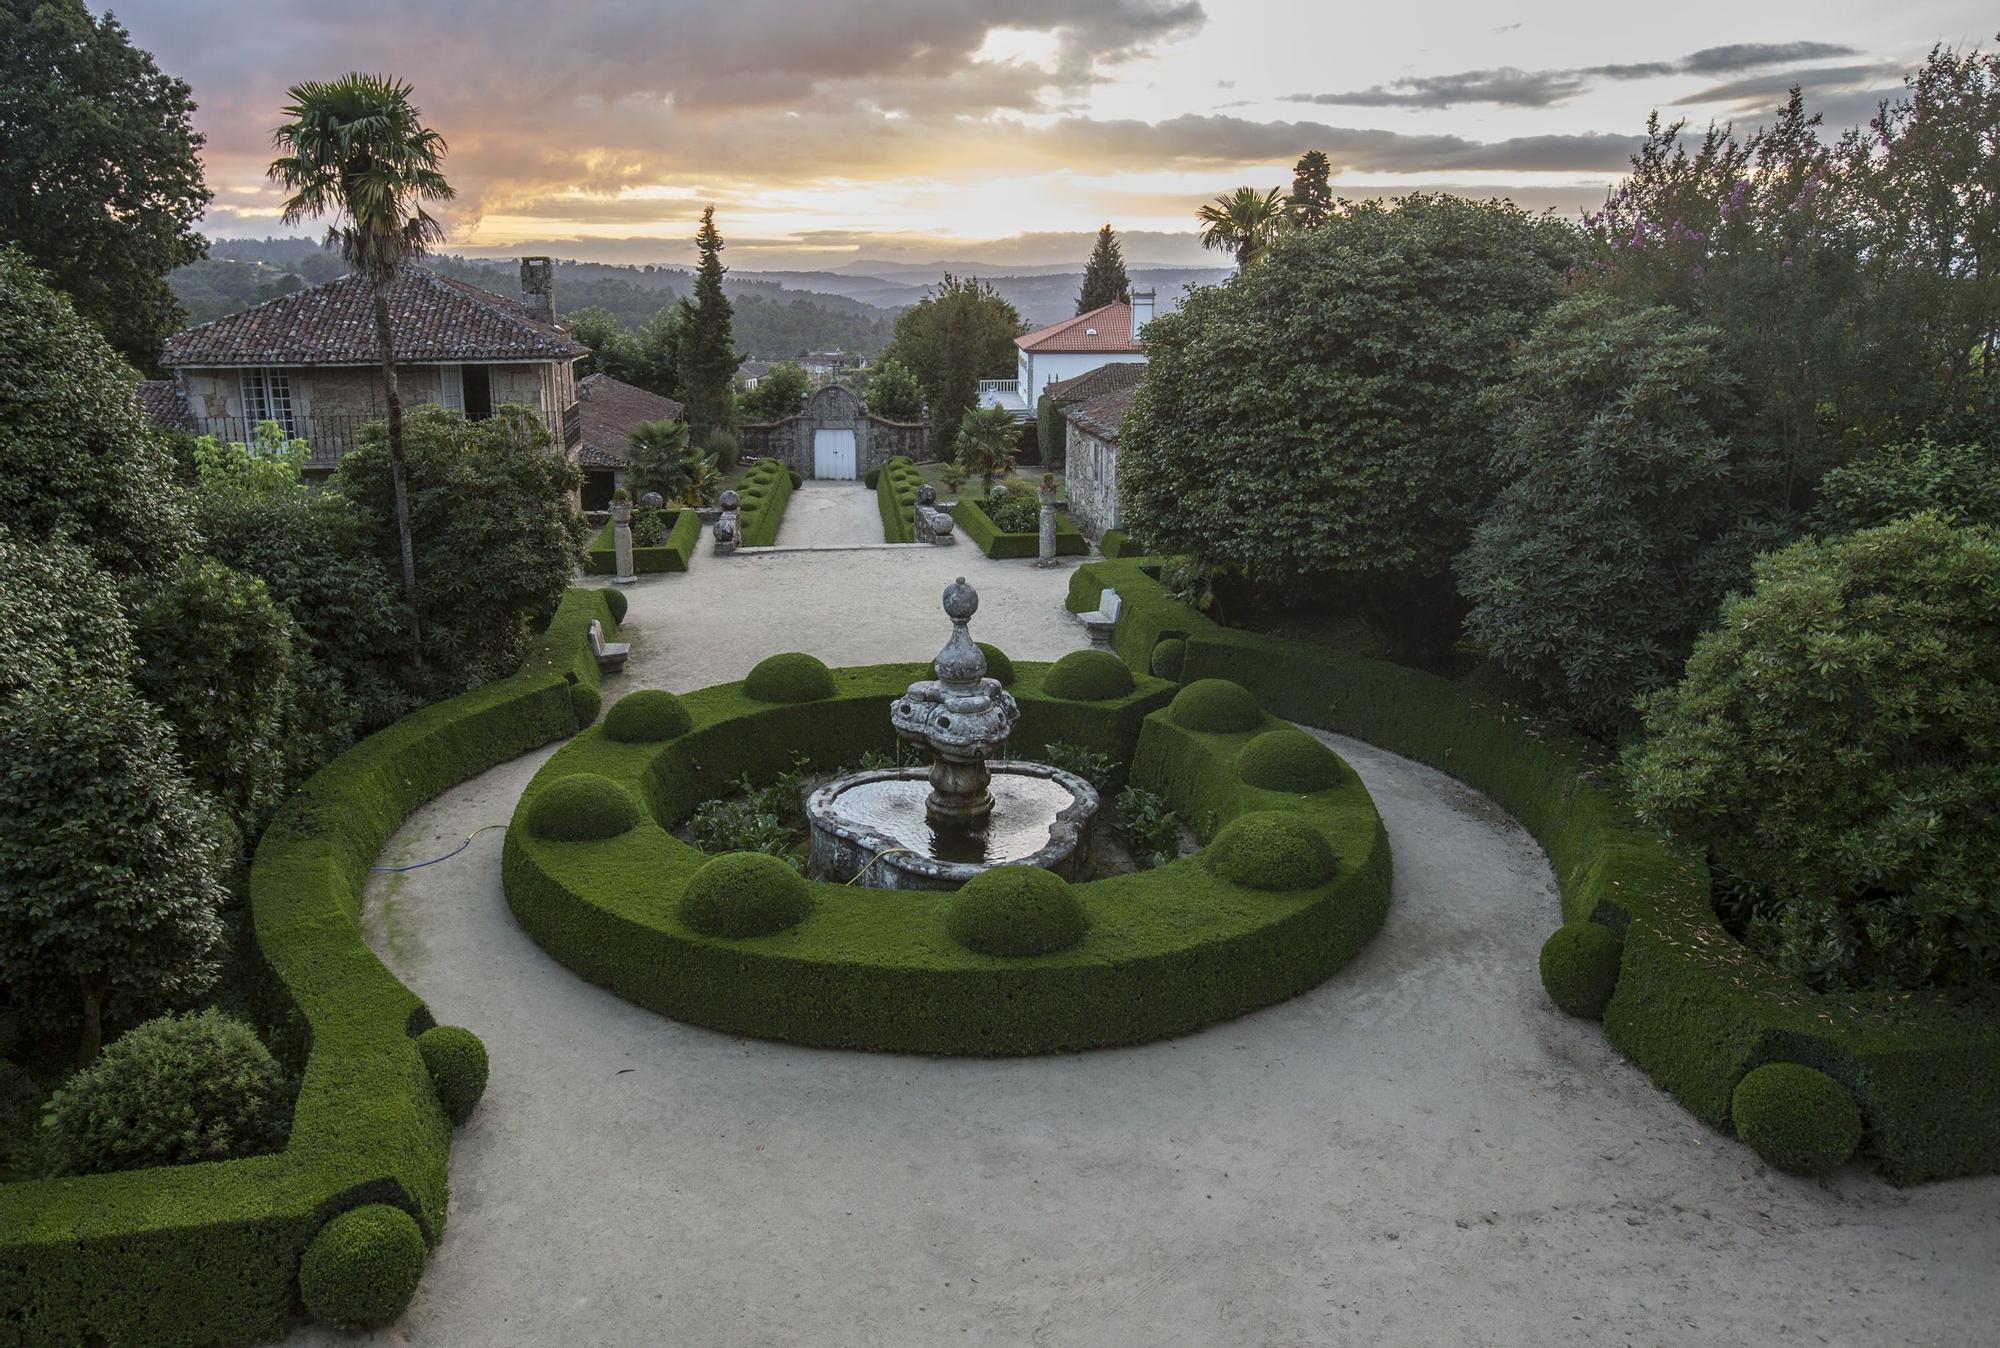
(1693,1007)
(757,526)
(978,526)
(209,1253)
(899,522)
(673,555)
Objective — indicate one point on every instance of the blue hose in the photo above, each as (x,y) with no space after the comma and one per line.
(419,865)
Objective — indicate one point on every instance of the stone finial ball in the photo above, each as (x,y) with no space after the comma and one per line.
(730,500)
(961,601)
(652,500)
(927,495)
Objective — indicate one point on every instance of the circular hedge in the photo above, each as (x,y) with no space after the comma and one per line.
(1088,676)
(647,717)
(745,894)
(615,600)
(1288,760)
(583,807)
(1216,706)
(1796,1118)
(792,677)
(362,1267)
(1270,850)
(998,666)
(1169,658)
(1580,967)
(457,1063)
(1016,912)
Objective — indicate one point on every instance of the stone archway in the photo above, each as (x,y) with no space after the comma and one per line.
(835,436)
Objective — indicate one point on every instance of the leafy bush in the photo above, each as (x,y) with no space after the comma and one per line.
(1580,967)
(1147,822)
(769,819)
(649,528)
(1270,850)
(1167,658)
(363,1267)
(1959,482)
(647,717)
(1798,1119)
(893,392)
(1288,760)
(745,894)
(1099,769)
(1014,513)
(1088,676)
(584,807)
(1832,746)
(170,1091)
(1016,912)
(1216,706)
(790,677)
(457,1063)
(998,666)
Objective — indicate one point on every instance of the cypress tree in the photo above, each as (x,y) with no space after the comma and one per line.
(708,358)
(1104,279)
(1311,202)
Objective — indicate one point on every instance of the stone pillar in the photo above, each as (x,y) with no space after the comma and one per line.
(621,541)
(1048,496)
(726,537)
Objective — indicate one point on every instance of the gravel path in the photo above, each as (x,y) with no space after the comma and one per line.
(830,515)
(1421,1151)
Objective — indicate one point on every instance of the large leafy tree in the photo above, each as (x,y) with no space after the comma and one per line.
(707,359)
(100,176)
(1318,420)
(1104,279)
(1310,204)
(779,394)
(356,149)
(1241,223)
(893,392)
(951,339)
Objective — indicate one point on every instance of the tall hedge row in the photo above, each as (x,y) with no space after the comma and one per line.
(764,492)
(896,486)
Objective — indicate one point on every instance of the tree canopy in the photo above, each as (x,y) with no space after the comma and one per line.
(779,394)
(1310,204)
(893,392)
(951,339)
(1104,279)
(706,363)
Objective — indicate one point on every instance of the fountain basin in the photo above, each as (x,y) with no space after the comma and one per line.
(874,826)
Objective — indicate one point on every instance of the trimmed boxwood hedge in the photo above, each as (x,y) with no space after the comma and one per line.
(976,524)
(456,1060)
(895,485)
(1115,543)
(210,1254)
(1089,676)
(1799,1120)
(765,491)
(363,1267)
(790,677)
(672,555)
(1692,1006)
(1164,951)
(1016,912)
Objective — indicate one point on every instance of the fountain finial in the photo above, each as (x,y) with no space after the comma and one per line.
(961,664)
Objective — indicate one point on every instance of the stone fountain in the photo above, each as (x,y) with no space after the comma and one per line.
(937,827)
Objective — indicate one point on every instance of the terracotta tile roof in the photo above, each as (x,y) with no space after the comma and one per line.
(1098,401)
(162,404)
(1118,374)
(610,409)
(433,318)
(1106,329)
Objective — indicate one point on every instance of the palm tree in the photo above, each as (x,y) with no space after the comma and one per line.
(1241,222)
(657,458)
(356,149)
(987,440)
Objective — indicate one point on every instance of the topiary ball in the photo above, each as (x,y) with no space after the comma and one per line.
(1796,1118)
(745,894)
(1216,706)
(998,666)
(797,481)
(584,701)
(647,717)
(1016,912)
(1288,760)
(362,1267)
(1169,657)
(1270,850)
(1580,967)
(583,807)
(1088,676)
(615,601)
(870,478)
(792,677)
(456,1061)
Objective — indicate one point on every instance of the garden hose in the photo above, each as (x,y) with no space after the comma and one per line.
(885,852)
(419,865)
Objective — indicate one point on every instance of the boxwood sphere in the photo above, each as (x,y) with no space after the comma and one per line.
(456,1061)
(871,477)
(614,599)
(647,717)
(998,666)
(584,701)
(1217,706)
(1088,676)
(1168,659)
(1270,850)
(1796,1118)
(797,480)
(1288,760)
(745,894)
(362,1267)
(583,807)
(1580,967)
(1015,912)
(791,677)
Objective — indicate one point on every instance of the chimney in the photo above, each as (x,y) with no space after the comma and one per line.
(1142,312)
(538,288)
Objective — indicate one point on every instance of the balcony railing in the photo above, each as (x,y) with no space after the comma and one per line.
(330,435)
(998,386)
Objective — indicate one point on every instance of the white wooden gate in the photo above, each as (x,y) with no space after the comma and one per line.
(833,454)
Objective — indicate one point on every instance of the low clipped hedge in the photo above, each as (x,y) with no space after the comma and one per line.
(673,555)
(1115,543)
(895,485)
(1799,1120)
(363,1267)
(1156,953)
(647,717)
(743,894)
(765,491)
(456,1060)
(1089,676)
(1580,967)
(211,1253)
(1691,1005)
(998,666)
(790,677)
(584,808)
(976,524)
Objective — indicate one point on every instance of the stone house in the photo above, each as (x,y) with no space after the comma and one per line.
(1092,406)
(307,361)
(609,409)
(1110,335)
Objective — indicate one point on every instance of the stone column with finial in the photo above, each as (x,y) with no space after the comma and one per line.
(621,537)
(1048,496)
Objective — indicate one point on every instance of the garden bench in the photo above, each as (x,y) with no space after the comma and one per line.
(1101,622)
(610,654)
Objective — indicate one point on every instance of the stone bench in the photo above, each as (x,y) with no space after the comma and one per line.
(1100,622)
(610,654)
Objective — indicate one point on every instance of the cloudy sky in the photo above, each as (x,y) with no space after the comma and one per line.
(1005,130)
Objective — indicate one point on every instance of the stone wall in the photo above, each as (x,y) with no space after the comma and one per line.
(1090,472)
(835,407)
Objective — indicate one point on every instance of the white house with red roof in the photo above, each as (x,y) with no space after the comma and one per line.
(1112,335)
